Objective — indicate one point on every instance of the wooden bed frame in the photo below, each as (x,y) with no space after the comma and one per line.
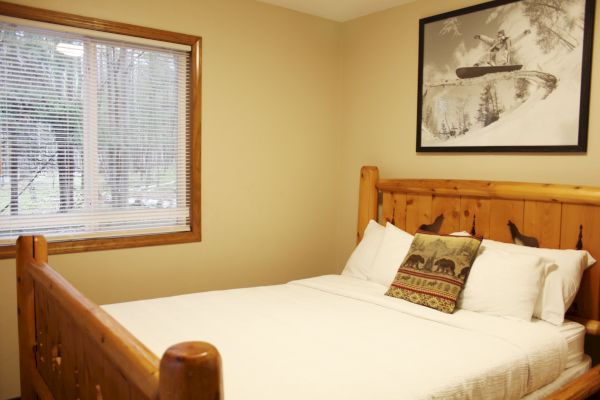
(71,349)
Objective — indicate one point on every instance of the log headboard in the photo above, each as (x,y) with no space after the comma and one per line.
(558,216)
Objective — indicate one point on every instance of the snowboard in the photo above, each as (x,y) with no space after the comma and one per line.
(474,72)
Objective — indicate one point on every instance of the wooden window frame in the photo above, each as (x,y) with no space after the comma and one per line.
(77,21)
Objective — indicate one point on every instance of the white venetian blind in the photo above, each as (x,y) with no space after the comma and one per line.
(94,135)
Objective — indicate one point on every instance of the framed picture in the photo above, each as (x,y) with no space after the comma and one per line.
(506,76)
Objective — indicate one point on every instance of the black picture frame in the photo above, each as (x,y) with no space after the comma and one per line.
(458,113)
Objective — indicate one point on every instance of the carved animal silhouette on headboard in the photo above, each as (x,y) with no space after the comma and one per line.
(579,245)
(521,239)
(434,226)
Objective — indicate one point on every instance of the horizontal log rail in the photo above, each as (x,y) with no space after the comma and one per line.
(115,342)
(497,190)
(580,388)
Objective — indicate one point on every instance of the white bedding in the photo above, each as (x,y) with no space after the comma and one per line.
(574,334)
(567,375)
(338,337)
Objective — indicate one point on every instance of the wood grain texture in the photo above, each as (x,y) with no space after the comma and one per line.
(94,24)
(550,213)
(41,389)
(580,388)
(495,190)
(367,199)
(475,211)
(191,370)
(196,140)
(106,343)
(584,219)
(195,58)
(418,211)
(387,208)
(449,207)
(542,220)
(394,209)
(66,355)
(80,352)
(30,250)
(501,211)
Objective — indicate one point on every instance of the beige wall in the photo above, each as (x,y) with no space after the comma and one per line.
(269,146)
(380,67)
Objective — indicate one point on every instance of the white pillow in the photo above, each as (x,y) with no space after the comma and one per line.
(361,259)
(394,247)
(561,284)
(504,283)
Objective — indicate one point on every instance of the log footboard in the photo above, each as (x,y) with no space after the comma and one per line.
(69,348)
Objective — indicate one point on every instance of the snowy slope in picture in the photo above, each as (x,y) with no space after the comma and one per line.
(504,76)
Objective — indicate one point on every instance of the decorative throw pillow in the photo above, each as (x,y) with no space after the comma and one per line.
(435,269)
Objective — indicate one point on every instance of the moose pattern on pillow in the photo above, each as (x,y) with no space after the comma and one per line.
(435,270)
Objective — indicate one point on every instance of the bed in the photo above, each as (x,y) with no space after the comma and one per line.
(325,337)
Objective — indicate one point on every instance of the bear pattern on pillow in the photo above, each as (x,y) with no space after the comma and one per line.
(434,271)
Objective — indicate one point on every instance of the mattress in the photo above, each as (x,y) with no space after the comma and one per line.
(574,335)
(338,337)
(576,370)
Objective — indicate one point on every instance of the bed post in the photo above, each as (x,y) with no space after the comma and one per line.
(29,249)
(367,199)
(190,370)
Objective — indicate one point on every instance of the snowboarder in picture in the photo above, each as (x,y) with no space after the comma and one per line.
(498,57)
(499,51)
(500,48)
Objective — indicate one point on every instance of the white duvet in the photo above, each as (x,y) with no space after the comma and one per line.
(337,337)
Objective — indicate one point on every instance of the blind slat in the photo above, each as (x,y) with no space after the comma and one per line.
(94,135)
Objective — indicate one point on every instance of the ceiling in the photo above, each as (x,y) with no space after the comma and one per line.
(338,10)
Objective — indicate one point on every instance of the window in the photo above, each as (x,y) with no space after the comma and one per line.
(99,132)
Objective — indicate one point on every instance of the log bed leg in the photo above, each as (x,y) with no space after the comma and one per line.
(29,249)
(367,199)
(190,370)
